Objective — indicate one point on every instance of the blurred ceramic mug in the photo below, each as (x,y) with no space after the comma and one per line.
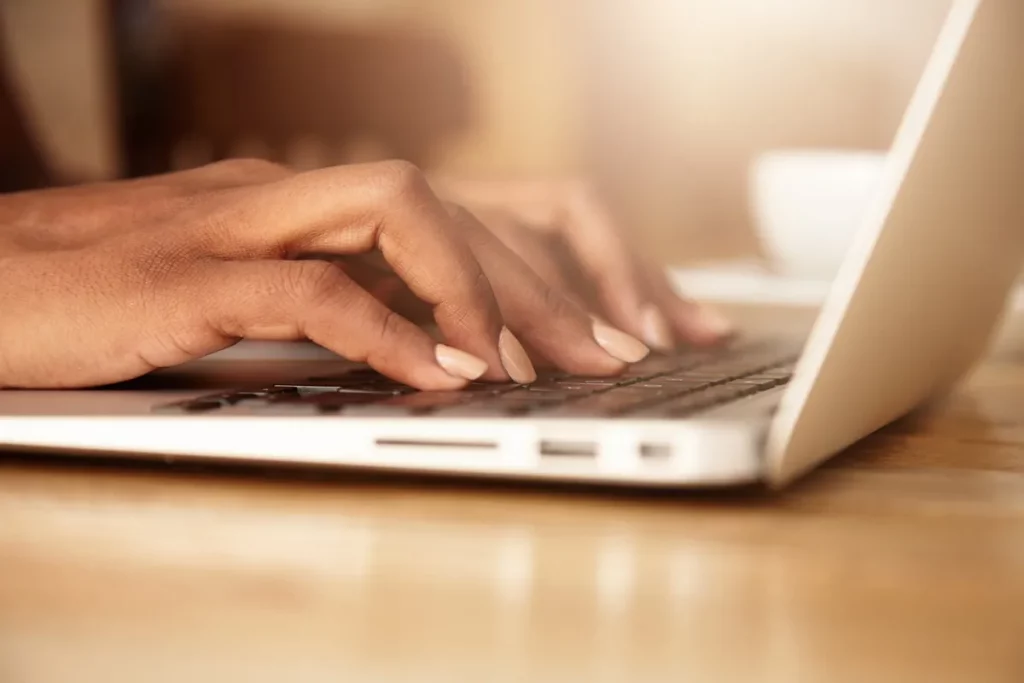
(808,205)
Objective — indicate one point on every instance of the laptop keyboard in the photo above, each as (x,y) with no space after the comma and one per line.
(659,387)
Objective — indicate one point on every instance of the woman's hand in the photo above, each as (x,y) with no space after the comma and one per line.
(109,284)
(568,237)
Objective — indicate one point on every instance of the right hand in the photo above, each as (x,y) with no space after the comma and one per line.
(221,266)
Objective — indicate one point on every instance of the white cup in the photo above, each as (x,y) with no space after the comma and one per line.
(808,205)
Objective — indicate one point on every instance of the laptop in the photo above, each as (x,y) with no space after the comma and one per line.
(914,307)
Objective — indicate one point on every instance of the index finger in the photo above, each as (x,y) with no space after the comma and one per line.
(604,255)
(354,209)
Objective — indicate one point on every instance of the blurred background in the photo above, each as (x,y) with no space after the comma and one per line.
(662,102)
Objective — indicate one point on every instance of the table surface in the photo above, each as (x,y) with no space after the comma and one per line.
(900,560)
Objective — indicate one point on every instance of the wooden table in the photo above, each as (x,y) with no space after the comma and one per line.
(900,561)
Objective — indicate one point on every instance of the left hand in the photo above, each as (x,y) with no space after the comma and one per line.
(560,228)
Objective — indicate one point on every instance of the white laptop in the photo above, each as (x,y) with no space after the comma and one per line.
(919,297)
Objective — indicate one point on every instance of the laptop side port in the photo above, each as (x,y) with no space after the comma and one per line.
(557,448)
(655,451)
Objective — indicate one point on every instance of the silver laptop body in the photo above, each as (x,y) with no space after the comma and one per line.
(917,300)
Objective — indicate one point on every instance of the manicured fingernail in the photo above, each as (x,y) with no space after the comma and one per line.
(459,363)
(656,331)
(513,357)
(619,344)
(714,323)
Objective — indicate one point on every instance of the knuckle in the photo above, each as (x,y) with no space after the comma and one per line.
(477,310)
(480,284)
(402,179)
(554,301)
(550,308)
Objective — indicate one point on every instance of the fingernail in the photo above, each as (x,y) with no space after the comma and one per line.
(656,331)
(513,357)
(619,344)
(459,363)
(714,323)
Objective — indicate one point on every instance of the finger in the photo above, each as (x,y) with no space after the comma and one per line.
(670,316)
(537,246)
(386,287)
(665,318)
(542,317)
(354,209)
(634,294)
(317,301)
(587,226)
(604,255)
